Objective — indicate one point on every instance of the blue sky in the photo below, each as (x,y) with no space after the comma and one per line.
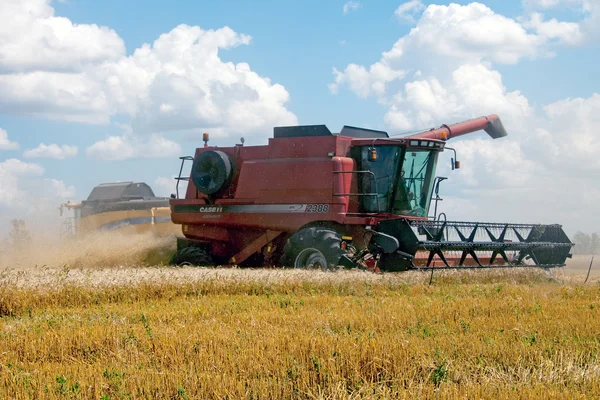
(553,49)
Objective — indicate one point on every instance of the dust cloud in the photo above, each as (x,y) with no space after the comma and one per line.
(91,251)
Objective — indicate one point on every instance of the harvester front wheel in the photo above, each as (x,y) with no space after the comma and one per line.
(317,248)
(192,256)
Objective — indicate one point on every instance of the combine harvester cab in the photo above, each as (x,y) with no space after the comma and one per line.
(126,207)
(359,198)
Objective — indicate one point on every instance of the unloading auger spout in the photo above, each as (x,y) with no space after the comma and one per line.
(491,124)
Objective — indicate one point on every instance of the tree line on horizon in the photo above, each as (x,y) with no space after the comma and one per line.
(586,243)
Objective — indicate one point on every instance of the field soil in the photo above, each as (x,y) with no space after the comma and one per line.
(578,266)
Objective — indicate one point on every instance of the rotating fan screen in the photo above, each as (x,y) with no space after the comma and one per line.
(211,171)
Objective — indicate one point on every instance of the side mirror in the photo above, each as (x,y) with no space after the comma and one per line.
(455,164)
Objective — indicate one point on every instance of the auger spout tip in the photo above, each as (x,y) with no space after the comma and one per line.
(495,128)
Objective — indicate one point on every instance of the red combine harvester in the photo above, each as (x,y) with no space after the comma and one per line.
(359,198)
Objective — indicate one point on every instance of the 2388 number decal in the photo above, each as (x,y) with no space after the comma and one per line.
(317,208)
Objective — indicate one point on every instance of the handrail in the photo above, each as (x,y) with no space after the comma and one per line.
(374,180)
(179,178)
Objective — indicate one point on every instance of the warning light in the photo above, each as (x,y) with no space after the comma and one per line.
(372,154)
(205,139)
(444,135)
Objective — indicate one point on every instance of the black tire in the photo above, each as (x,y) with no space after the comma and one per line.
(192,256)
(313,248)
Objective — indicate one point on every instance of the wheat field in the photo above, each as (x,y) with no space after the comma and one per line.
(104,330)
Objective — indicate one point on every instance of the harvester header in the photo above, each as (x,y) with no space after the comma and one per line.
(357,198)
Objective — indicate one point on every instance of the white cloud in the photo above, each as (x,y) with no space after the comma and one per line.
(571,128)
(33,39)
(55,95)
(541,3)
(351,6)
(407,11)
(469,91)
(365,82)
(133,146)
(547,4)
(461,83)
(112,148)
(60,190)
(521,178)
(566,32)
(51,151)
(455,35)
(6,144)
(179,82)
(545,170)
(12,171)
(473,32)
(572,33)
(26,194)
(481,89)
(483,169)
(164,186)
(451,35)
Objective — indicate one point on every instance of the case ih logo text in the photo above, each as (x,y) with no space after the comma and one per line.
(211,209)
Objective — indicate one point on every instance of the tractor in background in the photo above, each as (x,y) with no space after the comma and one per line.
(129,207)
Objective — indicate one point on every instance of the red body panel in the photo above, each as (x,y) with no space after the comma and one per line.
(280,187)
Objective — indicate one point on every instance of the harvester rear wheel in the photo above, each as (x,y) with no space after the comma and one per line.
(313,248)
(192,256)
